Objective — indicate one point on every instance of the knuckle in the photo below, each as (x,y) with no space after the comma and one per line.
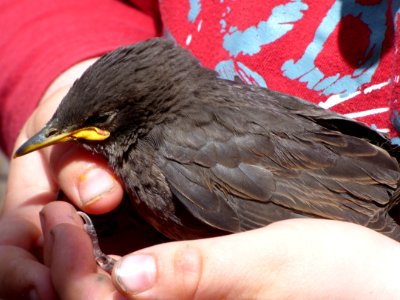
(188,267)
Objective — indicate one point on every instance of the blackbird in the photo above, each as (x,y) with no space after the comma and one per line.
(202,156)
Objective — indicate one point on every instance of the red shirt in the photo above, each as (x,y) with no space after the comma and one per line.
(339,54)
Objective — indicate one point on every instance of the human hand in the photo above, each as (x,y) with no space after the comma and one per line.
(33,182)
(291,262)
(298,258)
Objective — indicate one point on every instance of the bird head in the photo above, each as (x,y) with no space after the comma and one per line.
(121,96)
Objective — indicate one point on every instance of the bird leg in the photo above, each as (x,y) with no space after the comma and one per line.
(103,261)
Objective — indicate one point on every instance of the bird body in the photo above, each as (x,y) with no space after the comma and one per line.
(202,156)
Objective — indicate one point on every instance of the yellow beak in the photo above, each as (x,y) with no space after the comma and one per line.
(42,139)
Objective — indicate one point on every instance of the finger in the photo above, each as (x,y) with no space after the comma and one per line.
(184,270)
(21,275)
(86,179)
(69,255)
(52,214)
(29,185)
(73,269)
(292,259)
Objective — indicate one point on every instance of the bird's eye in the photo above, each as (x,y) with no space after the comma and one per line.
(51,131)
(100,119)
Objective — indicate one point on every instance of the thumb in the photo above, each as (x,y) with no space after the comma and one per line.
(293,258)
(188,270)
(237,266)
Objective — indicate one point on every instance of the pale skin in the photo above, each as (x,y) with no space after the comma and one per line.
(51,255)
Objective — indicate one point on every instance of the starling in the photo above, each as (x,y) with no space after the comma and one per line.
(207,156)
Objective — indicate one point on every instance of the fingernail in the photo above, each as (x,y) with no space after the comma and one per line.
(93,184)
(136,273)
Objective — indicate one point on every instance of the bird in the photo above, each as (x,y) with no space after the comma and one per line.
(203,156)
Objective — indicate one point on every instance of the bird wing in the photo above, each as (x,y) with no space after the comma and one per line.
(242,166)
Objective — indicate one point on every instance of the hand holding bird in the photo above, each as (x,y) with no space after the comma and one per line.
(303,258)
(377,257)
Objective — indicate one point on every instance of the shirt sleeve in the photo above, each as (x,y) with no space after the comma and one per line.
(40,39)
